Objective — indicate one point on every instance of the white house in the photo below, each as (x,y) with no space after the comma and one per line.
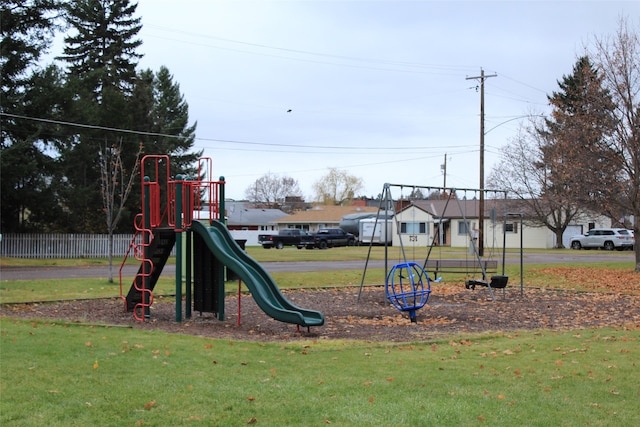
(455,223)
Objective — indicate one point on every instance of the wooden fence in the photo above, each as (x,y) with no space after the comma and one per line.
(63,245)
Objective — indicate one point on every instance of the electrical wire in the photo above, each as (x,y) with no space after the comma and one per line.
(230,141)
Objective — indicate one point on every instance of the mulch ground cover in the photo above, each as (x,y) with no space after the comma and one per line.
(451,309)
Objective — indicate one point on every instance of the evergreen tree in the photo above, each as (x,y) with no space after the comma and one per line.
(101,55)
(161,114)
(582,118)
(546,165)
(170,115)
(27,92)
(103,49)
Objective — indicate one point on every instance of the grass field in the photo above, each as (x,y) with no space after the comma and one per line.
(59,289)
(59,373)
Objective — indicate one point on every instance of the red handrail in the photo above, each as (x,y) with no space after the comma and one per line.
(156,177)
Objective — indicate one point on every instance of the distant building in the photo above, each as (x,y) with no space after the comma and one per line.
(320,216)
(245,222)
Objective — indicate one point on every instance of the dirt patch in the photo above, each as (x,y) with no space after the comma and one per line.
(450,309)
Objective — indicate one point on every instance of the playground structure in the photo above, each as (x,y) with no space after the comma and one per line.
(407,284)
(408,288)
(171,216)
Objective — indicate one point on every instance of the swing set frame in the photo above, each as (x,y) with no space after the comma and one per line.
(387,204)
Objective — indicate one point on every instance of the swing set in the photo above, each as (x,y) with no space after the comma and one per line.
(407,283)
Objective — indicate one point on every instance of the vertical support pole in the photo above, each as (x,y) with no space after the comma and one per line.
(146,240)
(222,218)
(178,229)
(188,278)
(221,209)
(521,258)
(482,78)
(239,300)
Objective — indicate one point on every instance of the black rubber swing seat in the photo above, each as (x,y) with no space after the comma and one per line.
(497,282)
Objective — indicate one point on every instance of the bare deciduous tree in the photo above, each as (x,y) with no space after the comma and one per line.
(618,59)
(271,190)
(115,185)
(337,187)
(524,173)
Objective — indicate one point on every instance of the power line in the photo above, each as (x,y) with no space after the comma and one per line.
(229,141)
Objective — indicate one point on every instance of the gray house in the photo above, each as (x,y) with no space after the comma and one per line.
(245,222)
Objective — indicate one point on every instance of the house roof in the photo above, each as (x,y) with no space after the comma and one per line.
(239,214)
(324,213)
(457,208)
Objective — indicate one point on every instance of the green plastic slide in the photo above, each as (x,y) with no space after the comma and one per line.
(264,290)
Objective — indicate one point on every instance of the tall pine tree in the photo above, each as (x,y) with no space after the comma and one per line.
(101,53)
(546,165)
(170,116)
(28,92)
(582,118)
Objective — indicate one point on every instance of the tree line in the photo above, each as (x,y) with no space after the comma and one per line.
(73,134)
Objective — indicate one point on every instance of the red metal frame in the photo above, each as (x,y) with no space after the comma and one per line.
(155,171)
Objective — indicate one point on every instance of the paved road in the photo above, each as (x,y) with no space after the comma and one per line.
(33,273)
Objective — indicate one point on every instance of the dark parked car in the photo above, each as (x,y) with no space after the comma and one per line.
(332,237)
(287,237)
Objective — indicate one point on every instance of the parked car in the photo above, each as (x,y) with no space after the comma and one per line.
(287,237)
(332,237)
(605,238)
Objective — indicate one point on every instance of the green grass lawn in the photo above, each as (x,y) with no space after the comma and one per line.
(16,291)
(69,374)
(289,254)
(62,374)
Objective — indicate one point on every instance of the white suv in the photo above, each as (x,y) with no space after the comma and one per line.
(606,238)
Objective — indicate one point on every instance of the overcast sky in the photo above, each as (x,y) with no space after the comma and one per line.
(376,88)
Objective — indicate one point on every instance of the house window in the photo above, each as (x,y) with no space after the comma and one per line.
(413,227)
(463,228)
(299,226)
(511,227)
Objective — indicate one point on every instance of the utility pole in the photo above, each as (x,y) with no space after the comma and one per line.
(444,172)
(482,78)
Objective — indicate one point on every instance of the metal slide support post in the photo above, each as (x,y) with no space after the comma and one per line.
(146,268)
(188,279)
(178,229)
(189,250)
(222,218)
